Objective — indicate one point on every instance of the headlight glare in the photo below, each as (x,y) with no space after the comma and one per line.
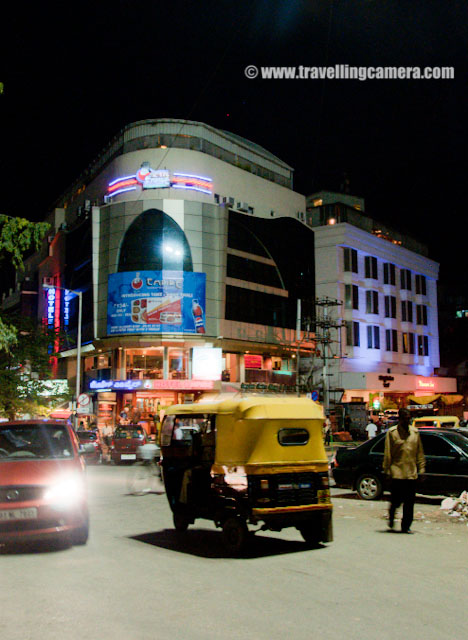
(65,493)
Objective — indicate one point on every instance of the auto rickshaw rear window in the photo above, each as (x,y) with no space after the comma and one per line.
(293,437)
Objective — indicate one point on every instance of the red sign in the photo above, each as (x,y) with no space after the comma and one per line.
(182,385)
(253,362)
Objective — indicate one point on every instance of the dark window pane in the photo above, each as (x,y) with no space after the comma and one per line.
(293,437)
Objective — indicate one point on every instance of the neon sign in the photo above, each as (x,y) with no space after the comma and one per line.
(426,384)
(133,385)
(148,178)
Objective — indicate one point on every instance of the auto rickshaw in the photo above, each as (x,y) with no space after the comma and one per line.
(250,461)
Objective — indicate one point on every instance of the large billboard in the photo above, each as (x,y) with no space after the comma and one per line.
(156,302)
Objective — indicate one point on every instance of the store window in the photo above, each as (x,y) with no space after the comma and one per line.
(178,363)
(144,363)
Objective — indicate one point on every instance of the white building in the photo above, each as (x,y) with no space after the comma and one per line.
(388,289)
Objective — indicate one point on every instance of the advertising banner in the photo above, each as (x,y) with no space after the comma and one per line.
(156,302)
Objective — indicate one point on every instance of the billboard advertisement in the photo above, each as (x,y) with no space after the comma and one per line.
(156,302)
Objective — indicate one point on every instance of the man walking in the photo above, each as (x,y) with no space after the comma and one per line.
(403,462)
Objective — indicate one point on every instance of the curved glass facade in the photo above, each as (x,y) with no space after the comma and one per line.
(155,242)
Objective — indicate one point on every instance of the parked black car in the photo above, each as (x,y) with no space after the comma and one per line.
(446,452)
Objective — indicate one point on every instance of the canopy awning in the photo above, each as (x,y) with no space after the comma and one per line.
(455,399)
(424,399)
(60,414)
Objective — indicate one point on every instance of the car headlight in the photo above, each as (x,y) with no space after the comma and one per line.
(65,493)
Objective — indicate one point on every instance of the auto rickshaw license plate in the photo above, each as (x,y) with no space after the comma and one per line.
(323,495)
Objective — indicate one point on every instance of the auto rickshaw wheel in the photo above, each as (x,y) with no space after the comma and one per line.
(181,522)
(311,535)
(235,535)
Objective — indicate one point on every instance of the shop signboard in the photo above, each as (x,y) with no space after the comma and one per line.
(103,386)
(156,302)
(252,361)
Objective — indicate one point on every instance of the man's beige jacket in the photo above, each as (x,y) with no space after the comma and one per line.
(404,456)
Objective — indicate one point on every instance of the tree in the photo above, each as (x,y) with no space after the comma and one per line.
(17,236)
(25,385)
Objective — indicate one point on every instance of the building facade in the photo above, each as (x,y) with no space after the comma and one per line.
(191,249)
(387,319)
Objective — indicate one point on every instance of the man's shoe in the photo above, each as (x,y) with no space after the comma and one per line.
(406,531)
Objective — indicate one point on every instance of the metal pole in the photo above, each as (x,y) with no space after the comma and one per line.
(78,354)
(298,340)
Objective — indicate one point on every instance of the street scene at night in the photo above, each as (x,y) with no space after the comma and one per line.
(234,320)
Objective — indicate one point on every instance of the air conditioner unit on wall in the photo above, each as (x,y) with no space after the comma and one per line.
(243,206)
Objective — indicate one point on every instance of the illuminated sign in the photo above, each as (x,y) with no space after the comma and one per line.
(148,385)
(425,384)
(156,302)
(252,361)
(51,298)
(148,178)
(207,363)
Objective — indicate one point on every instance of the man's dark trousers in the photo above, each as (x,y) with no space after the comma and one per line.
(402,491)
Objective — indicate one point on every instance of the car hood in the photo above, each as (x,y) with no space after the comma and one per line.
(36,472)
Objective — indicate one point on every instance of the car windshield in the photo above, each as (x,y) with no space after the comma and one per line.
(128,433)
(460,441)
(87,435)
(34,440)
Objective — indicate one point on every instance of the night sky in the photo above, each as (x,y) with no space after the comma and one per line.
(75,73)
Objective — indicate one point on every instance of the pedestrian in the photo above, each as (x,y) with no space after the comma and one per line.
(371,429)
(347,423)
(403,461)
(327,430)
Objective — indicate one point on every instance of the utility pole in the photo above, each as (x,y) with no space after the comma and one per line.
(328,336)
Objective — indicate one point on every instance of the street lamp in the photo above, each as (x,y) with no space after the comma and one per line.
(78,341)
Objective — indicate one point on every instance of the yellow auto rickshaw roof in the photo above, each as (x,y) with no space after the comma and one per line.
(256,408)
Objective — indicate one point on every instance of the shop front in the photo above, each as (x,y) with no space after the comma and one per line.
(398,390)
(144,400)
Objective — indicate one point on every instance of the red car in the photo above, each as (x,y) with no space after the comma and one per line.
(93,453)
(42,483)
(125,443)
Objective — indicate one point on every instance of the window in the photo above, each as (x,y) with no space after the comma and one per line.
(292,437)
(373,337)
(391,338)
(249,270)
(421,284)
(379,447)
(351,296)
(390,307)
(352,334)
(389,273)
(423,346)
(435,446)
(350,260)
(421,314)
(407,311)
(371,267)
(405,279)
(408,342)
(372,302)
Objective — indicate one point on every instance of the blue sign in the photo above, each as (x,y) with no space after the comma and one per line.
(315,396)
(156,302)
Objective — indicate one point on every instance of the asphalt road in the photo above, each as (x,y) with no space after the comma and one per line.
(137,579)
